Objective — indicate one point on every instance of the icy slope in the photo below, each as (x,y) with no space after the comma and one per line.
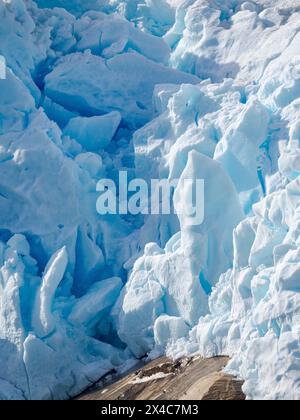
(195,89)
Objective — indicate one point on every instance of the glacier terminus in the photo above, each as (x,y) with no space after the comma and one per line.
(166,90)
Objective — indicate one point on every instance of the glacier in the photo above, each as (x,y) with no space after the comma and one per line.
(162,89)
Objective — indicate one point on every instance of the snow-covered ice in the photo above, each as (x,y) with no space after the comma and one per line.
(164,89)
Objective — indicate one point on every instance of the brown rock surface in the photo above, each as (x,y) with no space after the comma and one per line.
(186,379)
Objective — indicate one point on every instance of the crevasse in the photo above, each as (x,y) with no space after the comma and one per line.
(162,89)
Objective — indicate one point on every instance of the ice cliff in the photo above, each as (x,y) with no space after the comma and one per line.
(162,89)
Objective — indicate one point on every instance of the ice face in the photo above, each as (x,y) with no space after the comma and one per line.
(260,297)
(253,133)
(156,285)
(186,90)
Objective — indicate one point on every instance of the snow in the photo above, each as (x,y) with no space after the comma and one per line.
(177,89)
(155,377)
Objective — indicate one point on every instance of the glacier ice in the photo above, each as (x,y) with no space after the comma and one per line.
(155,287)
(252,129)
(93,133)
(153,16)
(37,325)
(164,89)
(122,83)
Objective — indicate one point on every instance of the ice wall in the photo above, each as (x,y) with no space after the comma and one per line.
(57,140)
(251,128)
(162,89)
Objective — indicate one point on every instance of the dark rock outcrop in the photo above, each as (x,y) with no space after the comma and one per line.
(185,379)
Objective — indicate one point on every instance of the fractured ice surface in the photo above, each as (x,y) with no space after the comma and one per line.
(44,337)
(124,82)
(156,285)
(154,16)
(251,128)
(163,89)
